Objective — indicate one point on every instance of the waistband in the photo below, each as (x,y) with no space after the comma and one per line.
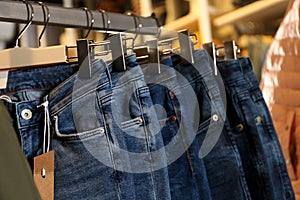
(166,77)
(202,72)
(103,79)
(44,78)
(133,72)
(229,67)
(232,74)
(248,72)
(239,78)
(201,68)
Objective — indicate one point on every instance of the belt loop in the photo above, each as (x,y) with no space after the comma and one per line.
(108,75)
(6,98)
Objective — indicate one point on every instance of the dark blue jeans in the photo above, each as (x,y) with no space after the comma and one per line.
(187,173)
(220,153)
(133,114)
(90,125)
(263,161)
(79,173)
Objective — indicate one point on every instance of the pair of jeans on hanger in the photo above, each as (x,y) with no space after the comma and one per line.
(220,154)
(187,173)
(254,133)
(102,130)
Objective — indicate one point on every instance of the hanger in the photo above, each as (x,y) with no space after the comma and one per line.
(84,52)
(230,50)
(118,52)
(211,50)
(186,47)
(153,55)
(22,57)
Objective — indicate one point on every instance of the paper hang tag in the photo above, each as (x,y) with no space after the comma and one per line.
(43,174)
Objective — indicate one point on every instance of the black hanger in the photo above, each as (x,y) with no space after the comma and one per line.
(211,50)
(84,53)
(230,50)
(118,52)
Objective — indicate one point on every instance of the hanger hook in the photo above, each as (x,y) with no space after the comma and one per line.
(90,26)
(30,14)
(46,21)
(103,12)
(138,27)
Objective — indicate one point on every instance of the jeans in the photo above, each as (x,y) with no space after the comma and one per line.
(187,173)
(90,127)
(254,134)
(219,152)
(277,164)
(134,115)
(78,171)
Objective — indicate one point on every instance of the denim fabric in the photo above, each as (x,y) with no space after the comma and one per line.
(254,133)
(117,127)
(134,114)
(79,132)
(25,89)
(220,154)
(187,174)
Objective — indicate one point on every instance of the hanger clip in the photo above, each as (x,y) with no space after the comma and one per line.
(186,47)
(211,50)
(84,59)
(118,53)
(230,50)
(153,55)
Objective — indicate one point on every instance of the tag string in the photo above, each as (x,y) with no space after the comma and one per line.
(47,132)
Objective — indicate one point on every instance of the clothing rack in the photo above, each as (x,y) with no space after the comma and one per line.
(16,11)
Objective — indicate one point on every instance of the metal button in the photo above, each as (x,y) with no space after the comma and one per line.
(258,119)
(140,120)
(102,130)
(215,117)
(26,114)
(241,127)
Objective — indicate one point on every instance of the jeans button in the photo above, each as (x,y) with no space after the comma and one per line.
(241,127)
(26,114)
(258,119)
(215,117)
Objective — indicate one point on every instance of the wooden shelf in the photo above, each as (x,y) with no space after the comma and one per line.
(259,11)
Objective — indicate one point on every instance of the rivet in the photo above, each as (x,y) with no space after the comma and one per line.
(241,127)
(173,118)
(102,130)
(140,120)
(258,119)
(215,117)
